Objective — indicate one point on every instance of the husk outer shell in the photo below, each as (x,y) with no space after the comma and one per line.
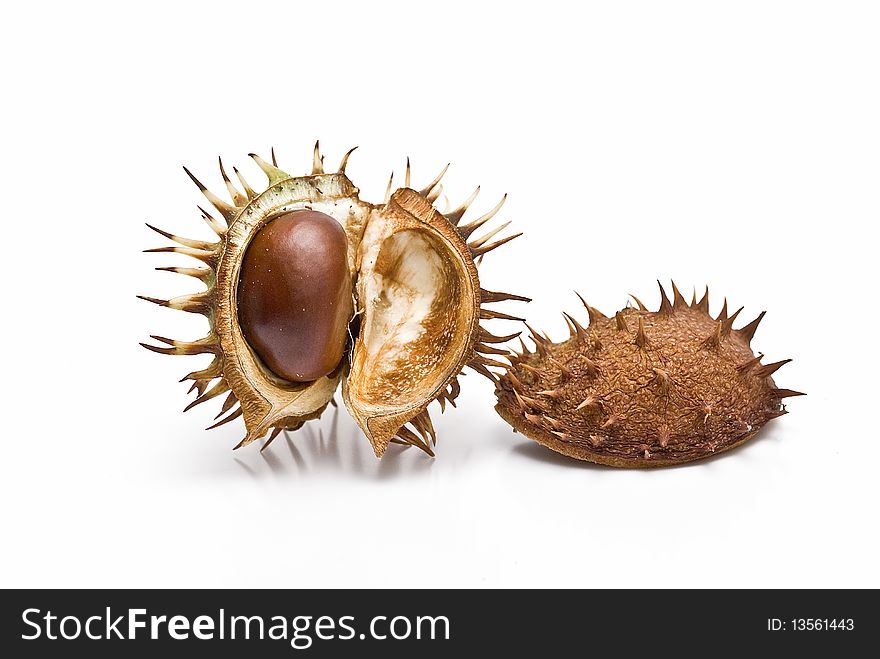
(449,336)
(642,389)
(448,340)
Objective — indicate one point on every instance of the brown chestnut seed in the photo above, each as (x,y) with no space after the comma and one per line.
(294,295)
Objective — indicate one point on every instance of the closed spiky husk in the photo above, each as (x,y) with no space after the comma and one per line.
(643,388)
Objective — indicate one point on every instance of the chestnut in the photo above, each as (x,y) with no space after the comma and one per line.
(294,295)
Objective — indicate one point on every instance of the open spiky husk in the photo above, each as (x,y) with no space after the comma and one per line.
(403,249)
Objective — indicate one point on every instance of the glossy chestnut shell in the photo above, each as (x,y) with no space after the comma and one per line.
(294,295)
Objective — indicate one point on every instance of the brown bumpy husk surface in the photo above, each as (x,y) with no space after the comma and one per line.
(643,389)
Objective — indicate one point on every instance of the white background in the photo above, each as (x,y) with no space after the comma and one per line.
(734,144)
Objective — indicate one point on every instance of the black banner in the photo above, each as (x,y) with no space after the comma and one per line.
(316,623)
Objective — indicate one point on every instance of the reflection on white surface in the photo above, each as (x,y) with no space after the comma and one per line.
(310,453)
